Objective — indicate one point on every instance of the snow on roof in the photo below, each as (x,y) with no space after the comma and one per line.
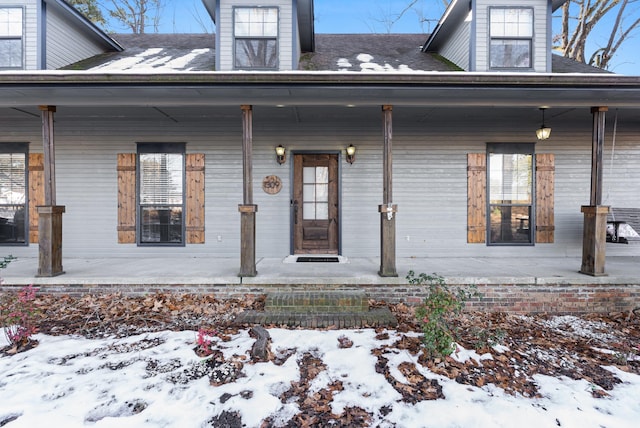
(369,53)
(155,58)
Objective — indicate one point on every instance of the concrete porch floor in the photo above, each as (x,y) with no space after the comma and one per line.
(355,271)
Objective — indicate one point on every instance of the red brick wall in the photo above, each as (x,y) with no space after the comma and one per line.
(506,297)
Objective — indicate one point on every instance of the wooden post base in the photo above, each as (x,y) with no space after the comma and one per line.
(248,240)
(594,240)
(50,240)
(388,240)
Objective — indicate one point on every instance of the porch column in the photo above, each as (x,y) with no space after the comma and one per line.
(247,209)
(594,235)
(387,210)
(49,214)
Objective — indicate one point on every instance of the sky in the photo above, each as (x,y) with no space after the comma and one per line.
(372,16)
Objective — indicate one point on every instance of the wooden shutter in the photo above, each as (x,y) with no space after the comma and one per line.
(36,192)
(126,198)
(545,178)
(195,198)
(476,198)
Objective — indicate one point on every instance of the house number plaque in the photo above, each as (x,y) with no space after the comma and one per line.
(272,184)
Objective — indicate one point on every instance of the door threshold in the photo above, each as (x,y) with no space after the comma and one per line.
(315,258)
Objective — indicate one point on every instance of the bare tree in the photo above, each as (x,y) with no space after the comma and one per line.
(580,17)
(137,15)
(426,15)
(90,9)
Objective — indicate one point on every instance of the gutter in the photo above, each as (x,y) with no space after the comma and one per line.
(57,77)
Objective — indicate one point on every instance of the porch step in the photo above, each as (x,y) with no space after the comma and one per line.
(319,309)
(317,302)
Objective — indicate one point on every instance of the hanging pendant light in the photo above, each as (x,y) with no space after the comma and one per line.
(544,131)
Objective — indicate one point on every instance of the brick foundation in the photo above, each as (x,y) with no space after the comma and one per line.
(515,298)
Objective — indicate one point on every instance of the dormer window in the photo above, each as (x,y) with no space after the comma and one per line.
(10,37)
(255,38)
(511,33)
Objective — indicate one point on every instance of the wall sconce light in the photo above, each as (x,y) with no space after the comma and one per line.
(351,153)
(544,131)
(281,154)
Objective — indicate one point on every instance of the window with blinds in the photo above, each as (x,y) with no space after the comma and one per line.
(13,197)
(161,197)
(510,213)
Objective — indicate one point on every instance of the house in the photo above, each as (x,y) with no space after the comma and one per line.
(268,140)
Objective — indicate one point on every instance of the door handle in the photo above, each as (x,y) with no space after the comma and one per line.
(294,204)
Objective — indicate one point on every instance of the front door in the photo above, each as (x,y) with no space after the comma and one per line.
(315,204)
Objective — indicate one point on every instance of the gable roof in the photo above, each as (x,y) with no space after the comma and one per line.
(155,52)
(161,53)
(89,28)
(372,52)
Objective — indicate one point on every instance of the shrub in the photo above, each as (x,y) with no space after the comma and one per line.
(437,313)
(18,316)
(204,344)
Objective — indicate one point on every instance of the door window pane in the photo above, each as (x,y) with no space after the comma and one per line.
(315,204)
(13,181)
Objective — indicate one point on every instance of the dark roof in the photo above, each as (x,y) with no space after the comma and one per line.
(334,52)
(372,52)
(560,64)
(152,51)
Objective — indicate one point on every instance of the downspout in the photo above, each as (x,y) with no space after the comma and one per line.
(42,36)
(472,38)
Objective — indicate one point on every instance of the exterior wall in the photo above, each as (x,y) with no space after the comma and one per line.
(429,179)
(30,31)
(456,49)
(66,43)
(224,28)
(540,31)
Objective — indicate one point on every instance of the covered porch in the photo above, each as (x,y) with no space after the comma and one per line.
(540,284)
(429,124)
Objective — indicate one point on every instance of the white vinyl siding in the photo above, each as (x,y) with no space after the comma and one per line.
(456,49)
(225,28)
(430,177)
(539,50)
(66,42)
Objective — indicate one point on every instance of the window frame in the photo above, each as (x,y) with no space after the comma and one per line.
(511,149)
(19,38)
(160,148)
(506,38)
(237,38)
(23,148)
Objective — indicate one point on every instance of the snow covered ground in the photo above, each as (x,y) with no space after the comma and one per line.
(157,380)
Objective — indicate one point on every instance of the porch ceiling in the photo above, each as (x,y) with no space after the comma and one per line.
(480,117)
(318,89)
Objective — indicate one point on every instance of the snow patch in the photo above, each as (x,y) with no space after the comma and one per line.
(363,57)
(344,63)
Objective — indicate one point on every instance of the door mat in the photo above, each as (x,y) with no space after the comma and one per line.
(318,260)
